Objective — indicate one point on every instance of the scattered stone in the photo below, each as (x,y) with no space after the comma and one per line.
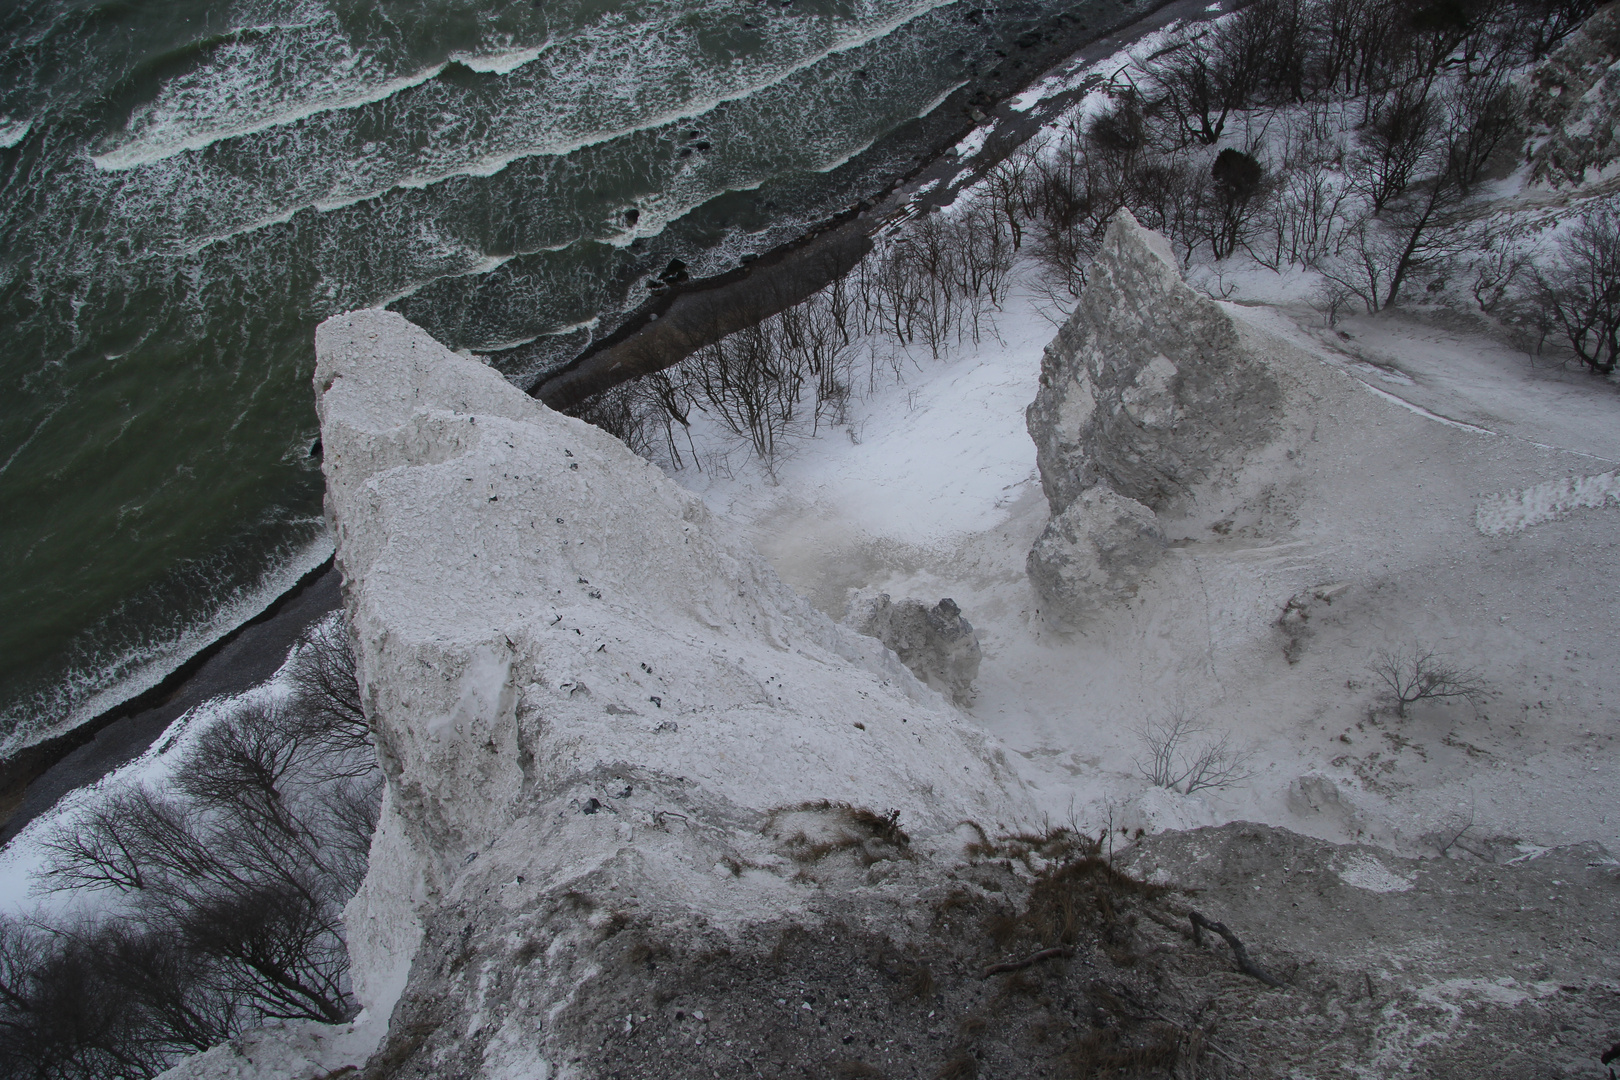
(1295,620)
(936,643)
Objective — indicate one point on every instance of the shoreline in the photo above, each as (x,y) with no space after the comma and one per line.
(34,778)
(675,321)
(37,776)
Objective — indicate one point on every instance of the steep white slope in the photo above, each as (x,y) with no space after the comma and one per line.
(574,673)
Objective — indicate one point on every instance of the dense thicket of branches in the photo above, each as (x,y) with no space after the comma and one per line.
(1349,137)
(225,891)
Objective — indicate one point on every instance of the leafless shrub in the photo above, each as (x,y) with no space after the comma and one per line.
(1539,25)
(622,411)
(1182,757)
(1303,221)
(1076,186)
(1450,832)
(326,691)
(1417,673)
(1204,82)
(1397,146)
(1355,47)
(1171,194)
(1007,191)
(227,889)
(103,1000)
(1499,267)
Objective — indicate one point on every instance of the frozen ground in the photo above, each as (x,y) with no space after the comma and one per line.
(930,490)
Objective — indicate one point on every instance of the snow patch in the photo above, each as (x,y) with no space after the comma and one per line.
(1550,500)
(1362,871)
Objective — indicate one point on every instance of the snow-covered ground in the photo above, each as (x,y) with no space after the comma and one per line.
(930,490)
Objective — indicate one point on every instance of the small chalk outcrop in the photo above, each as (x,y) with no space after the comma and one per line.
(1294,624)
(1147,388)
(1094,554)
(595,709)
(936,643)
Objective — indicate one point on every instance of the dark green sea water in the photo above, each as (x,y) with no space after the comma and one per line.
(187,188)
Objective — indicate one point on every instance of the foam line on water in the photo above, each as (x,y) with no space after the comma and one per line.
(688,112)
(940,100)
(128,156)
(32,435)
(13,132)
(150,665)
(146,148)
(482,265)
(137,152)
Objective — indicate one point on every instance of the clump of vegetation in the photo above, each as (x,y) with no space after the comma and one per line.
(225,892)
(871,836)
(1417,673)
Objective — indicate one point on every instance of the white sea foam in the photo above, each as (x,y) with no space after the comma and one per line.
(492,164)
(499,63)
(940,100)
(166,139)
(540,145)
(13,132)
(200,113)
(151,664)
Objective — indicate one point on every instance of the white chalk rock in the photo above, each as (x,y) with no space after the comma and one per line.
(1094,554)
(1147,387)
(577,676)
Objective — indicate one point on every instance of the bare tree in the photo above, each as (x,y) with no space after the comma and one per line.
(1580,289)
(1007,189)
(232,889)
(1214,74)
(1240,185)
(1180,759)
(1539,25)
(1397,146)
(326,690)
(99,1000)
(1417,673)
(1357,43)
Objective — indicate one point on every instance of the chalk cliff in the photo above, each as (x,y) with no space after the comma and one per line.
(590,702)
(648,815)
